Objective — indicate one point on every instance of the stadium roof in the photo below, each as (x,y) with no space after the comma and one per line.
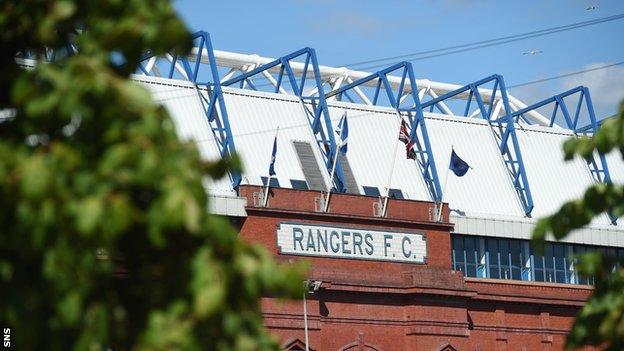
(486,191)
(517,174)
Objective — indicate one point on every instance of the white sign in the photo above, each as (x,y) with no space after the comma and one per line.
(352,243)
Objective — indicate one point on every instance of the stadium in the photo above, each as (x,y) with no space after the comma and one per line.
(405,251)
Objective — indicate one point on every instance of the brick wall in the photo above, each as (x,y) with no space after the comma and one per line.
(376,305)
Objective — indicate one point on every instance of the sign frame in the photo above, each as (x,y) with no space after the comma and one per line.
(352,228)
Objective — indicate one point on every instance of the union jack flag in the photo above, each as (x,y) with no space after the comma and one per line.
(405,138)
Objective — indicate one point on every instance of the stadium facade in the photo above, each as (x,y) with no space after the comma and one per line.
(389,269)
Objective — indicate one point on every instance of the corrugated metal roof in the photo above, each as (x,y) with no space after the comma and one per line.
(254,120)
(487,187)
(373,137)
(486,190)
(553,181)
(182,102)
(616,166)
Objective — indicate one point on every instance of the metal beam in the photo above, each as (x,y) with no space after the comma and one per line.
(212,102)
(327,74)
(325,138)
(395,98)
(505,124)
(598,169)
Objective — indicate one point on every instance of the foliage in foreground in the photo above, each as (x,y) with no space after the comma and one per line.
(105,240)
(601,321)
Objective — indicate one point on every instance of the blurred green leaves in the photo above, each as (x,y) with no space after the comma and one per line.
(105,240)
(601,321)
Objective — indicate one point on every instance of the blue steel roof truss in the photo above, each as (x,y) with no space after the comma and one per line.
(213,102)
(397,100)
(507,133)
(319,115)
(598,168)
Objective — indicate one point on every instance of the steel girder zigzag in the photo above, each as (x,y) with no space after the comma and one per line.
(325,140)
(214,104)
(513,160)
(414,113)
(600,171)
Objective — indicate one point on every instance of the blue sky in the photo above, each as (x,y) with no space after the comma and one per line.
(348,31)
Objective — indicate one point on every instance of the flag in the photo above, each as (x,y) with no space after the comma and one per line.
(343,131)
(272,166)
(457,165)
(405,138)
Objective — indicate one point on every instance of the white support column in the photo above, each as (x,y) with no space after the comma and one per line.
(229,74)
(337,82)
(360,93)
(150,64)
(475,113)
(498,107)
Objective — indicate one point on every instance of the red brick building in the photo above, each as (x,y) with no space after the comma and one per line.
(376,305)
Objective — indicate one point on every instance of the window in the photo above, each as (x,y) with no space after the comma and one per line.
(505,259)
(299,184)
(498,258)
(371,191)
(471,256)
(274,182)
(561,275)
(459,260)
(493,258)
(516,259)
(549,263)
(395,194)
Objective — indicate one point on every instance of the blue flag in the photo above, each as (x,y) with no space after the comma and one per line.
(343,131)
(272,166)
(457,165)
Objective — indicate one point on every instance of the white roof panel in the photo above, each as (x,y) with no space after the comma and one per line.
(373,137)
(254,120)
(485,191)
(553,181)
(182,102)
(486,187)
(616,166)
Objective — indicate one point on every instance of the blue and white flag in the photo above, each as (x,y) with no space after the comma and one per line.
(343,131)
(457,165)
(272,166)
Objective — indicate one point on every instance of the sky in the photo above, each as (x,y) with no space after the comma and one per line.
(344,32)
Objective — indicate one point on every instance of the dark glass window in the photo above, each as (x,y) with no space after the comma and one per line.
(299,184)
(395,194)
(371,191)
(503,247)
(458,247)
(274,182)
(471,256)
(538,262)
(549,263)
(491,246)
(559,258)
(500,258)
(516,261)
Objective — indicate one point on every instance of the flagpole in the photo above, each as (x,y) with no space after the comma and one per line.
(396,147)
(266,193)
(439,211)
